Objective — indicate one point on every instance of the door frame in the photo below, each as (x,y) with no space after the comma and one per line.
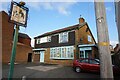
(42,56)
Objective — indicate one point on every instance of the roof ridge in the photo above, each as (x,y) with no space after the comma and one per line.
(61,30)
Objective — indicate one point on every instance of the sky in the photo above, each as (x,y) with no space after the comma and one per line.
(49,16)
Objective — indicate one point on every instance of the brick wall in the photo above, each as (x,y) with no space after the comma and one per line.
(7,36)
(55,61)
(26,41)
(83,34)
(7,39)
(22,53)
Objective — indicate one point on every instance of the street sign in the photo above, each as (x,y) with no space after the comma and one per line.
(18,14)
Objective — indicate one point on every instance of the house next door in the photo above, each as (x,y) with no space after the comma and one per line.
(42,56)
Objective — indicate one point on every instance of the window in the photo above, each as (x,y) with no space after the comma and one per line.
(38,41)
(81,54)
(63,37)
(49,39)
(89,38)
(44,40)
(52,54)
(84,61)
(62,52)
(93,62)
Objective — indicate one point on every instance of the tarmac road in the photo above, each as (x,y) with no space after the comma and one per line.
(37,70)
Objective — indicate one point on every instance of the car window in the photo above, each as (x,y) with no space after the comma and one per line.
(93,62)
(84,61)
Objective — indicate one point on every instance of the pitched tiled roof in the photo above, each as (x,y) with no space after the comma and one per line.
(62,30)
(23,35)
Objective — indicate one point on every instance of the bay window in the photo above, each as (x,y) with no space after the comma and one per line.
(62,52)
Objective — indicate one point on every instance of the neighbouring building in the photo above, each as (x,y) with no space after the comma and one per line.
(64,45)
(116,55)
(117,14)
(24,49)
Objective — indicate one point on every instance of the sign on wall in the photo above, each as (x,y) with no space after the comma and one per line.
(18,14)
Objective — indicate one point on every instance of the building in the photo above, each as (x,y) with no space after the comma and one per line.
(116,56)
(24,49)
(117,14)
(63,45)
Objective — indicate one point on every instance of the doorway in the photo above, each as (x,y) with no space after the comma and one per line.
(42,56)
(29,57)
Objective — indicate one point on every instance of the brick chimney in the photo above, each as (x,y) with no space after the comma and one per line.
(81,20)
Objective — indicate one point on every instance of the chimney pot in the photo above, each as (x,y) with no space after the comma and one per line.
(81,20)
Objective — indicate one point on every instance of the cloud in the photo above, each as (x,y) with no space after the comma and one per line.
(63,10)
(60,7)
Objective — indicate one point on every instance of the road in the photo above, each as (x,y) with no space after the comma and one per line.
(37,70)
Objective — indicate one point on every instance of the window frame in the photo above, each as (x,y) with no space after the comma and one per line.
(38,41)
(62,56)
(89,38)
(62,37)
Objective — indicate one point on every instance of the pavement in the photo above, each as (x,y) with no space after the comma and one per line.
(37,70)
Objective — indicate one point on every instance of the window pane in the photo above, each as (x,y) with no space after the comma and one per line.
(89,38)
(84,61)
(93,62)
(63,37)
(49,39)
(62,52)
(81,54)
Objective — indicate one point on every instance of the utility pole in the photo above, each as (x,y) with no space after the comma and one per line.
(103,40)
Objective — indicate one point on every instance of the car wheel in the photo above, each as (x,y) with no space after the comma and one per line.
(78,69)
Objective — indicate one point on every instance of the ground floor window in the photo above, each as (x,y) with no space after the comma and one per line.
(85,54)
(66,52)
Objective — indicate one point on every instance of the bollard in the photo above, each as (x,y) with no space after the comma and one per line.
(24,78)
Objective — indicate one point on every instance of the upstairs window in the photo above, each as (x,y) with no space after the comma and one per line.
(63,37)
(38,41)
(44,40)
(89,38)
(49,39)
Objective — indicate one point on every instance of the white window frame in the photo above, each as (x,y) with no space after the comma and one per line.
(62,37)
(38,41)
(61,55)
(89,38)
(48,38)
(43,40)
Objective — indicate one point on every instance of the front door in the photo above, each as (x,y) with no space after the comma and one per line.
(42,56)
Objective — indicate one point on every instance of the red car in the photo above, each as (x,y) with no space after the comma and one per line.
(91,65)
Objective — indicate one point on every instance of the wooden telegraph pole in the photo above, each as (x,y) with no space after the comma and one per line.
(103,41)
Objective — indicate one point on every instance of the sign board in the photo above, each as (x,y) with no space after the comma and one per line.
(18,14)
